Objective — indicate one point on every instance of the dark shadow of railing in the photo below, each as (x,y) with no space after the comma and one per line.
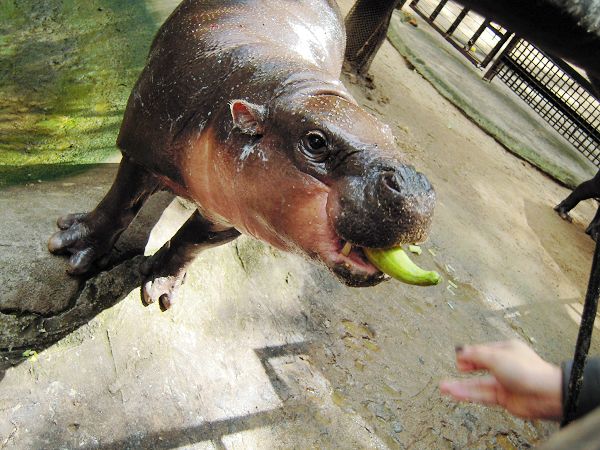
(215,431)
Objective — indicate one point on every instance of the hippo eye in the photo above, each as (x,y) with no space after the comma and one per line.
(314,145)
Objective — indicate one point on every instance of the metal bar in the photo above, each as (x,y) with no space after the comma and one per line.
(437,10)
(583,339)
(526,49)
(566,68)
(366,29)
(463,13)
(458,47)
(553,99)
(535,95)
(491,73)
(496,31)
(478,33)
(495,50)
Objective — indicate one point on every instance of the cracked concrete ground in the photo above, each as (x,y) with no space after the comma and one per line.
(266,350)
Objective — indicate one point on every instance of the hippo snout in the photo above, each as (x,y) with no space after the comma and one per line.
(389,205)
(401,182)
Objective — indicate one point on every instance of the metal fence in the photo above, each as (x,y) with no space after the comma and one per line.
(476,37)
(555,90)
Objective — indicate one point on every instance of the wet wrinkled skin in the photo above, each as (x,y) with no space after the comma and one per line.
(240,109)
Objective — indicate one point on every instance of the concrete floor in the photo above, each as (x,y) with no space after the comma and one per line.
(267,350)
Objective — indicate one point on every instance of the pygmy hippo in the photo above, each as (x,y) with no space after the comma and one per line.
(240,109)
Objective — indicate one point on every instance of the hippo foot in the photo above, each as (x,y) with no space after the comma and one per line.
(85,238)
(161,281)
(563,212)
(163,289)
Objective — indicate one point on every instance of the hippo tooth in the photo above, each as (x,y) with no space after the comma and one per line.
(347,249)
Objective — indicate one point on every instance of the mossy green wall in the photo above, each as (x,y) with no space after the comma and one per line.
(66,70)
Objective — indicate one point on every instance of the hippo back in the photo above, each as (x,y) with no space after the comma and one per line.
(209,52)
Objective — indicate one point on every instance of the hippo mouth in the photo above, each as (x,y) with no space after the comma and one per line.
(370,216)
(366,266)
(363,265)
(354,268)
(350,264)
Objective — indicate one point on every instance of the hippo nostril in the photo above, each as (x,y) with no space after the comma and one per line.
(390,179)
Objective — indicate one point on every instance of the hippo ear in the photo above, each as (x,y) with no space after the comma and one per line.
(248,117)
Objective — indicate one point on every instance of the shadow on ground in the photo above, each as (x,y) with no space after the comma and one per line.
(215,431)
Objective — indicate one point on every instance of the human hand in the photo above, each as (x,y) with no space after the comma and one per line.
(518,380)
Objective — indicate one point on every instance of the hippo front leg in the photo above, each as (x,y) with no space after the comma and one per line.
(90,236)
(165,271)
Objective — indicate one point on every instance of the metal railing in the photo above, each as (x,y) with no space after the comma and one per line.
(557,92)
(476,37)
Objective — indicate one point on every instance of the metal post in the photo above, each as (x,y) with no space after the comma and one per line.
(366,29)
(463,13)
(496,49)
(492,71)
(478,33)
(437,10)
(583,339)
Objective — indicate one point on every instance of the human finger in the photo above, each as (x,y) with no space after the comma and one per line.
(479,357)
(478,390)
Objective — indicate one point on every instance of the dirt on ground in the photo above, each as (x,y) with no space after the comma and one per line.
(267,350)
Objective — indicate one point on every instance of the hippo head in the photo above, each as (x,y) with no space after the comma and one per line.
(316,173)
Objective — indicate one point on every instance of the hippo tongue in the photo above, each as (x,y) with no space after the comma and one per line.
(396,263)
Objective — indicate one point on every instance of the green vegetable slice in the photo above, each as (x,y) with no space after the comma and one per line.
(415,249)
(396,263)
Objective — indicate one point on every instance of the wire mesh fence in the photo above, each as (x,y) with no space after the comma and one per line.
(555,94)
(555,90)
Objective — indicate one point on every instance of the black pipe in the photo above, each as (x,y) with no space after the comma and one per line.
(584,339)
(438,9)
